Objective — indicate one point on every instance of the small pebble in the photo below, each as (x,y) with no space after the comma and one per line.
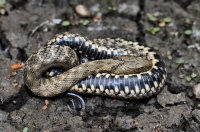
(196,90)
(82,10)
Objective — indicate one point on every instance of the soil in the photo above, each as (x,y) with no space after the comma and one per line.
(27,25)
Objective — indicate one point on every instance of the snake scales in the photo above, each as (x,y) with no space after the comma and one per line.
(119,68)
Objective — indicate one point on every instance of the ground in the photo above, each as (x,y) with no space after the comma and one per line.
(172,28)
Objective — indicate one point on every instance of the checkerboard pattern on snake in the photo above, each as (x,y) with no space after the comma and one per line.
(113,67)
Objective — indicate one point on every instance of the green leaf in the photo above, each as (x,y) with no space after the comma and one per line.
(156,14)
(186,61)
(114,8)
(81,21)
(2,11)
(65,23)
(2,2)
(169,57)
(188,78)
(178,61)
(198,105)
(109,8)
(167,19)
(155,30)
(97,9)
(188,32)
(188,21)
(25,129)
(84,22)
(193,75)
(151,17)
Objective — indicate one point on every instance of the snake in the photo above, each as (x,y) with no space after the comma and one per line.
(108,67)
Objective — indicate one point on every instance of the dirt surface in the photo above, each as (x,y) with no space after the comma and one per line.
(27,25)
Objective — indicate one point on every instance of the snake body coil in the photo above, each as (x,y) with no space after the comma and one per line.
(119,68)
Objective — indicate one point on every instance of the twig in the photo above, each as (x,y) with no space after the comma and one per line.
(37,27)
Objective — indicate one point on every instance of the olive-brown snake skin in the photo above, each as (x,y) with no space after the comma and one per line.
(119,68)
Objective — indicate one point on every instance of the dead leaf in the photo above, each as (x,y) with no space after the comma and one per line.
(16,66)
(15,84)
(157,129)
(14,73)
(136,122)
(44,107)
(9,76)
(19,86)
(58,123)
(46,102)
(162,24)
(82,10)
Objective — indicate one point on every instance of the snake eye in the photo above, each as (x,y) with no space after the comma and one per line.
(142,69)
(52,72)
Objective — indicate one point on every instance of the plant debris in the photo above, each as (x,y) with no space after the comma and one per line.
(46,105)
(16,66)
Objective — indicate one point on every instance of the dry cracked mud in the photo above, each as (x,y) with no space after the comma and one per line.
(27,25)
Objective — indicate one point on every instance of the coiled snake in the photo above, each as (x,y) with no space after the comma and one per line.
(119,68)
